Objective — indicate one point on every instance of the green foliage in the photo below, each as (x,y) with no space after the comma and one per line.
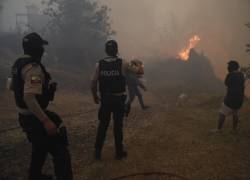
(79,29)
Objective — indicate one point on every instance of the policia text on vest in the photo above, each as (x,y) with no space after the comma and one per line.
(109,77)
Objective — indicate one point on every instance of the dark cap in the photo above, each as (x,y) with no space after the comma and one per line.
(111,48)
(34,40)
(233,65)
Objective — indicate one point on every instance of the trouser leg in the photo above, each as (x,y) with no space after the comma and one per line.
(38,157)
(58,148)
(118,114)
(235,121)
(221,121)
(131,96)
(61,158)
(104,119)
(139,95)
(42,144)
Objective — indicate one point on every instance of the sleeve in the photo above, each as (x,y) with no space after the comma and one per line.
(94,82)
(227,80)
(95,75)
(33,80)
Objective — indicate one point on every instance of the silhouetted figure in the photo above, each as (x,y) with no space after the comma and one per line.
(44,129)
(235,83)
(109,74)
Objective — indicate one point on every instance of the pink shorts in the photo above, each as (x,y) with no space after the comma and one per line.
(227,111)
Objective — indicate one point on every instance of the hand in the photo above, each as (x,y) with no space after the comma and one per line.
(96,99)
(144,88)
(50,127)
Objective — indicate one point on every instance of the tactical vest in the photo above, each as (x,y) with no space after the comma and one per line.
(111,79)
(18,83)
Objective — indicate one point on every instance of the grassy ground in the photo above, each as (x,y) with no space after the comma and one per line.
(166,138)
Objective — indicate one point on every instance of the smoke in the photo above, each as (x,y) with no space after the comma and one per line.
(1,7)
(9,9)
(161,28)
(1,3)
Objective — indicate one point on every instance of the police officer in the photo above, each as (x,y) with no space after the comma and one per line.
(109,75)
(44,129)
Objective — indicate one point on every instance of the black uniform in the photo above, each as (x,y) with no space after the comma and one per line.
(42,143)
(112,87)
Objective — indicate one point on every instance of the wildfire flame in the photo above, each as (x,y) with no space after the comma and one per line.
(184,54)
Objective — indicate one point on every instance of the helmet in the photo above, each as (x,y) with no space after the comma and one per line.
(33,40)
(111,48)
(233,65)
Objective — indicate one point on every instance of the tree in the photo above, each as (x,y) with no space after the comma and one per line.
(78,29)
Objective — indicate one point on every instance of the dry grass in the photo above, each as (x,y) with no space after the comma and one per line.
(163,139)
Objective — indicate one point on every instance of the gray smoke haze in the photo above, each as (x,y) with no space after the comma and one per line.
(161,28)
(9,10)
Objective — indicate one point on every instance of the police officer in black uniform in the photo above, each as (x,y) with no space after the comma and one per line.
(109,75)
(44,129)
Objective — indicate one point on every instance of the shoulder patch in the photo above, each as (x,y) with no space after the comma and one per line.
(36,80)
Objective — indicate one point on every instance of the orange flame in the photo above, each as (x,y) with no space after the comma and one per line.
(184,54)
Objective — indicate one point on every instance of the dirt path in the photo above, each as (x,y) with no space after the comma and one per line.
(168,139)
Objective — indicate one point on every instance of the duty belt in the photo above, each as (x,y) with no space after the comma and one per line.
(24,111)
(115,94)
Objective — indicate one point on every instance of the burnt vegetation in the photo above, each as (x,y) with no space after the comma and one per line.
(196,74)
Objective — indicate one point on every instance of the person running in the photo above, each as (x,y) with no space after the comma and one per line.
(134,82)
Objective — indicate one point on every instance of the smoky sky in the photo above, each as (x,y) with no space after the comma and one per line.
(161,28)
(158,29)
(9,10)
